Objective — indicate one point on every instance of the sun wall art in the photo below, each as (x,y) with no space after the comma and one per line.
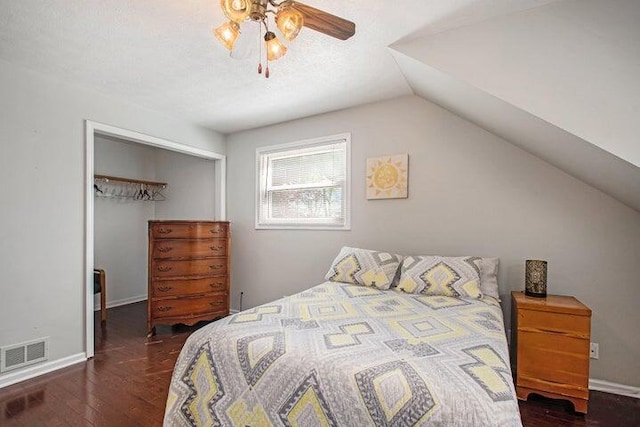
(387,177)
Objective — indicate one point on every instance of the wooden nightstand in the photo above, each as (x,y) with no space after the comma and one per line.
(550,347)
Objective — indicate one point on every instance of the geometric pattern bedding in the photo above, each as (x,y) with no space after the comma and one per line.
(346,355)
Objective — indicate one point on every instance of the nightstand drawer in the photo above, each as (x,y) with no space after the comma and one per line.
(569,324)
(553,357)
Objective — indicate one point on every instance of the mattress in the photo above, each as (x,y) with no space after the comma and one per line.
(347,355)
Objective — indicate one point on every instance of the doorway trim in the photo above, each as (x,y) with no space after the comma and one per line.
(92,129)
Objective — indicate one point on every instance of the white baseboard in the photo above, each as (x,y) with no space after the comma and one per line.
(234,311)
(40,369)
(119,302)
(614,388)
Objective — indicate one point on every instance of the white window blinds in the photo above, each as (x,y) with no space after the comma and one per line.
(304,185)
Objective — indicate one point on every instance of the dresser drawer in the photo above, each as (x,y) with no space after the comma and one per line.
(569,324)
(553,357)
(169,288)
(195,267)
(170,230)
(190,248)
(189,306)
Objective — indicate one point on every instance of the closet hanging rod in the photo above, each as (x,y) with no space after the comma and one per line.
(107,178)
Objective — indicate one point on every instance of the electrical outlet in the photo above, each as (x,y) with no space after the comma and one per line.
(594,350)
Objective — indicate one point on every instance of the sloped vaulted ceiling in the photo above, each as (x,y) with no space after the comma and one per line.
(560,81)
(558,78)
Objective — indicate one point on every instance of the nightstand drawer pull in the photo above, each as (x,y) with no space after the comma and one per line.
(164,230)
(164,288)
(216,266)
(216,248)
(165,268)
(216,303)
(164,308)
(165,249)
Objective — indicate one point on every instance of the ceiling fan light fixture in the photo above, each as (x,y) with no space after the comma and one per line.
(289,16)
(275,48)
(236,10)
(290,21)
(227,33)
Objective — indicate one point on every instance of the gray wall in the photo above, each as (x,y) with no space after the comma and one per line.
(42,176)
(470,193)
(191,190)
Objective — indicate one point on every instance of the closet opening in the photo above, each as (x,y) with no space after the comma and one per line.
(132,178)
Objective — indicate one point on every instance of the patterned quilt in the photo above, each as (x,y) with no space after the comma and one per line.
(347,355)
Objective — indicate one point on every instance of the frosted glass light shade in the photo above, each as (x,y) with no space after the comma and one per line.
(275,49)
(227,33)
(236,10)
(290,22)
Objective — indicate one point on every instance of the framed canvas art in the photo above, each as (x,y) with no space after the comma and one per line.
(388,177)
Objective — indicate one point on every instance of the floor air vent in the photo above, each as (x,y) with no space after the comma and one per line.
(24,354)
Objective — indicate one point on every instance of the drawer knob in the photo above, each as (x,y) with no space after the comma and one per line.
(164,268)
(215,231)
(214,285)
(216,248)
(164,288)
(164,308)
(164,249)
(215,267)
(164,230)
(216,303)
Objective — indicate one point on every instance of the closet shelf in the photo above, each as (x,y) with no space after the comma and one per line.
(116,187)
(107,178)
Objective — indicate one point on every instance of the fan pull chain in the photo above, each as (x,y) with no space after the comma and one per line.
(260,50)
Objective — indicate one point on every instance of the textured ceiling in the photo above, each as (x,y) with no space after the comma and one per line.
(160,54)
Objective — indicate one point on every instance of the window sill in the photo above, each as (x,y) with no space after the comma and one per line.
(302,227)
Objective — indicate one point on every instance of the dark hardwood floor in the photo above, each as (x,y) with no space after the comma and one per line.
(126,384)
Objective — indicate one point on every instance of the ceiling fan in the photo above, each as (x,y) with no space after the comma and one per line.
(289,15)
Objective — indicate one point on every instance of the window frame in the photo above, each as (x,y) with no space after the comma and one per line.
(311,224)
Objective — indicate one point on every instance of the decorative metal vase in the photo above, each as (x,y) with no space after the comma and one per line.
(535,278)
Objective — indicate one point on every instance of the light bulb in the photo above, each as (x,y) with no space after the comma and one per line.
(290,22)
(236,10)
(275,49)
(227,33)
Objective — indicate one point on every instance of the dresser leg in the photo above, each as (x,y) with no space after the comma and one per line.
(152,332)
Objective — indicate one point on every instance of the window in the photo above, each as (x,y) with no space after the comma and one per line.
(304,184)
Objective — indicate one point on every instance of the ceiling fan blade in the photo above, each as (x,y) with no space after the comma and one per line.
(326,23)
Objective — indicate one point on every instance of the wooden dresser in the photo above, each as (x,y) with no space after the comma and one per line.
(550,347)
(189,265)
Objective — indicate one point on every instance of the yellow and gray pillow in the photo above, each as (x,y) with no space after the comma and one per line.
(364,267)
(437,275)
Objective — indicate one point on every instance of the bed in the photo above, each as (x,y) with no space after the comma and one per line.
(340,354)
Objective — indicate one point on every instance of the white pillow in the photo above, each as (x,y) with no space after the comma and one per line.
(489,277)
